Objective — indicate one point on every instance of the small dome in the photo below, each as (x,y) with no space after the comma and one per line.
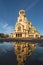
(22,12)
(33,28)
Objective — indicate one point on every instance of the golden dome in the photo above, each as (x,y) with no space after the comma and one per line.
(22,12)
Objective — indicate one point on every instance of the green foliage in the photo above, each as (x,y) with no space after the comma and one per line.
(3,35)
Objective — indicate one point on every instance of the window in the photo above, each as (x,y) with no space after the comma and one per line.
(19,28)
(18,35)
(20,20)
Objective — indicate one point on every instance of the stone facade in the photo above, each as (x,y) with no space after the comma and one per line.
(24,28)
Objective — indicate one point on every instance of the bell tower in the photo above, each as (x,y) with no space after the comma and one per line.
(21,16)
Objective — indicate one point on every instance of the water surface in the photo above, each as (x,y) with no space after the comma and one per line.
(8,56)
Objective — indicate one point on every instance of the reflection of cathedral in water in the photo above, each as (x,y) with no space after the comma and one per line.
(24,28)
(23,50)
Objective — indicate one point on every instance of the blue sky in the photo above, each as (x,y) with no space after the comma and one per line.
(9,12)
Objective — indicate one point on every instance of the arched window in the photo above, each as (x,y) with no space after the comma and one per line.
(19,28)
(20,20)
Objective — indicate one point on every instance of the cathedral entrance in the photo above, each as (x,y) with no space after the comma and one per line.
(18,35)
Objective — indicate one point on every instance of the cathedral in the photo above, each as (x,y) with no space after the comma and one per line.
(24,28)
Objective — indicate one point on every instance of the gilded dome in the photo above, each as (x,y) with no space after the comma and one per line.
(22,12)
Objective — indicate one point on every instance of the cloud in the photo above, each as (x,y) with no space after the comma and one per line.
(6,27)
(32,5)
